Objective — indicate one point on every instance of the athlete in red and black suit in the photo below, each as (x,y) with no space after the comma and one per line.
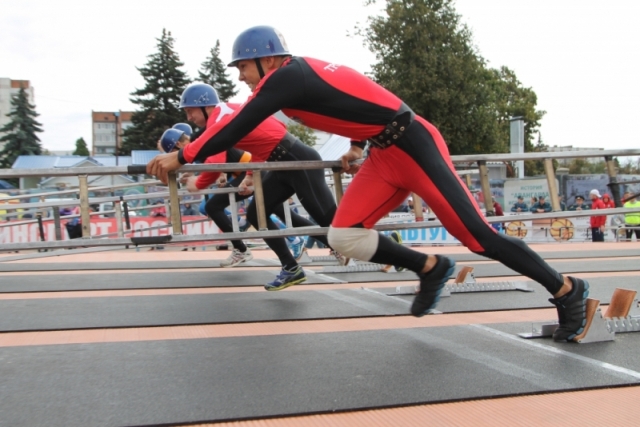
(407,154)
(270,141)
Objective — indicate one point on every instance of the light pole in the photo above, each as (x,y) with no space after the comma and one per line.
(116,115)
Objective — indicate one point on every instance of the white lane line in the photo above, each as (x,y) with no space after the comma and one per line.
(598,363)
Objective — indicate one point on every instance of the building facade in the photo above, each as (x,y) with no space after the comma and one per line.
(9,88)
(105,139)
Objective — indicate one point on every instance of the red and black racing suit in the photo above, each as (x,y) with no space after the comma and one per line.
(269,141)
(337,99)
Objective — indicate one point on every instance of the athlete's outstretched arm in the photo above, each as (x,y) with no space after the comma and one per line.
(283,88)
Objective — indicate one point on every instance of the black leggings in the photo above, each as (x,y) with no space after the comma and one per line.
(312,191)
(216,205)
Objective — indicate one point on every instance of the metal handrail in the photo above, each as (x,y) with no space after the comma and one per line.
(76,190)
(297,231)
(302,165)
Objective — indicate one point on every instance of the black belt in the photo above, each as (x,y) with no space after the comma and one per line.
(283,148)
(395,129)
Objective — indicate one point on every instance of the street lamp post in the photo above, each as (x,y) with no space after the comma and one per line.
(116,115)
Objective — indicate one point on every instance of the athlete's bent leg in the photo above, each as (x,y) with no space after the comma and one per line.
(215,207)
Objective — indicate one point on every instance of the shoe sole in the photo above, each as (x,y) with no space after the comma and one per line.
(571,337)
(237,263)
(448,274)
(285,285)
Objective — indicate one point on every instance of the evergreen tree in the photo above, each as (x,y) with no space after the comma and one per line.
(20,133)
(158,100)
(303,133)
(81,148)
(214,72)
(426,56)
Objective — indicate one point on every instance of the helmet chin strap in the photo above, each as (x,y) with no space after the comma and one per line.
(259,66)
(206,116)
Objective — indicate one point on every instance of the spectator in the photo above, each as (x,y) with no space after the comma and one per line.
(499,212)
(579,204)
(534,200)
(520,205)
(632,220)
(159,210)
(597,222)
(188,210)
(541,206)
(608,202)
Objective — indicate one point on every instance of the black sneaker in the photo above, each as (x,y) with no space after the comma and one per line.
(431,285)
(572,311)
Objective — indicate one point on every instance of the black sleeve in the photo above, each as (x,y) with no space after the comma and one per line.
(359,144)
(284,88)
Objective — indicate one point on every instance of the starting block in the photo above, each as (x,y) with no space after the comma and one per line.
(465,282)
(622,315)
(305,259)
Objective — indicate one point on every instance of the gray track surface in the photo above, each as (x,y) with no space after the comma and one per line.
(82,313)
(189,381)
(150,265)
(230,278)
(145,280)
(79,313)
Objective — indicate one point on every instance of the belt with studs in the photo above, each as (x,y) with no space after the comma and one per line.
(282,149)
(395,129)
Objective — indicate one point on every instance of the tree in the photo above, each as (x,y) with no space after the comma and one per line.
(20,133)
(425,56)
(81,148)
(158,100)
(303,133)
(214,72)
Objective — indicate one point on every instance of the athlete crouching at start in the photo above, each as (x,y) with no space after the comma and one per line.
(407,154)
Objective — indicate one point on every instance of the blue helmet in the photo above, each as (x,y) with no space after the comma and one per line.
(170,138)
(258,42)
(199,95)
(184,127)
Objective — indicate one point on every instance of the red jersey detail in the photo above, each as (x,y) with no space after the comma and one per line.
(205,179)
(355,131)
(260,142)
(353,83)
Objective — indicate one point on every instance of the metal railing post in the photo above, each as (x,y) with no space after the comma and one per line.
(174,204)
(118,209)
(337,186)
(259,200)
(486,187)
(84,206)
(287,214)
(56,222)
(233,205)
(613,181)
(417,207)
(553,188)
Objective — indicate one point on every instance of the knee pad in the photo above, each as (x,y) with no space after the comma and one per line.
(358,243)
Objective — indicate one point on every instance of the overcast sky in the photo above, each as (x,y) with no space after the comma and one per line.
(580,57)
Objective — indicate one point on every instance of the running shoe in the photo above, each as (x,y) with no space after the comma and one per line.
(297,249)
(431,285)
(572,311)
(287,278)
(236,258)
(342,259)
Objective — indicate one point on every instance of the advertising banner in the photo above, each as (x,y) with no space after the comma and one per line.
(29,232)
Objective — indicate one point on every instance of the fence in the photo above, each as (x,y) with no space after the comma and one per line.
(173,196)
